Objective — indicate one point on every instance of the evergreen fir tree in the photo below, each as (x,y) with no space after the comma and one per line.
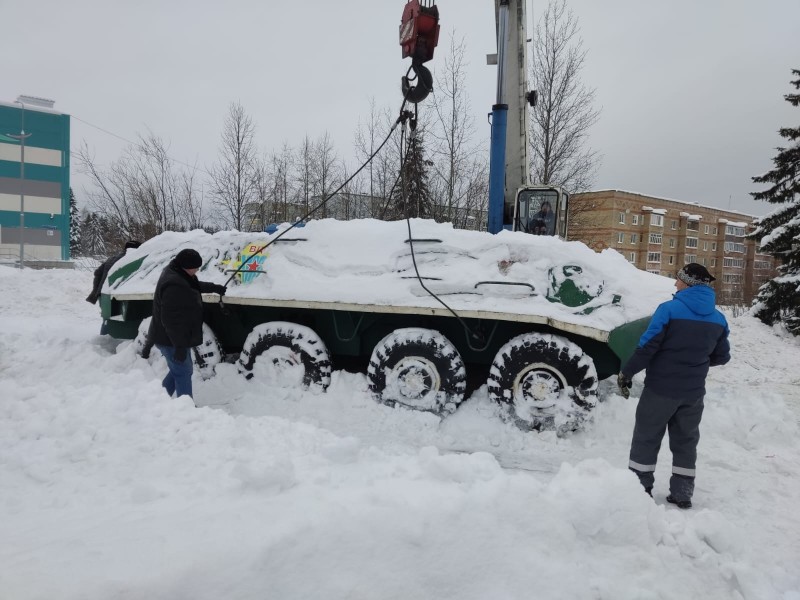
(74,227)
(779,232)
(92,235)
(412,196)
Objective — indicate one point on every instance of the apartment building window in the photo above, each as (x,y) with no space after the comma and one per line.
(671,242)
(693,226)
(691,242)
(674,224)
(634,219)
(705,245)
(713,262)
(737,263)
(657,220)
(734,231)
(632,257)
(714,231)
(634,238)
(734,247)
(671,260)
(654,257)
(703,261)
(655,238)
(705,229)
(713,246)
(622,218)
(731,278)
(689,258)
(654,271)
(761,264)
(620,238)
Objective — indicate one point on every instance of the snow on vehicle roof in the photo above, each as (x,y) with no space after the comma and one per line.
(369,262)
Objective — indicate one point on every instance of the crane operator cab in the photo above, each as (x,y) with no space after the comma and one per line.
(541,210)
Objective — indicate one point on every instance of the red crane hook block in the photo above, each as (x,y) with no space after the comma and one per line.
(419,30)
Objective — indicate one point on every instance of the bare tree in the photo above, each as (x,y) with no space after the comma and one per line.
(281,164)
(325,169)
(564,112)
(367,138)
(143,193)
(473,205)
(233,182)
(452,132)
(263,209)
(304,173)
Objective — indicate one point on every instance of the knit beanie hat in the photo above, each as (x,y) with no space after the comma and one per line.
(189,259)
(695,274)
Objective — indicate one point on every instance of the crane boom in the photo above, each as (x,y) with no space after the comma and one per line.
(515,203)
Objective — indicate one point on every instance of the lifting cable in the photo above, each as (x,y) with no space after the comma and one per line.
(404,189)
(403,117)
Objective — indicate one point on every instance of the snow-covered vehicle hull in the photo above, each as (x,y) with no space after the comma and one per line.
(538,319)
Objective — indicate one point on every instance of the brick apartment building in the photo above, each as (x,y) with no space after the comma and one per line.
(660,236)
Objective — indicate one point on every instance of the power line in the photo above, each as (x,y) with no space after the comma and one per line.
(111,133)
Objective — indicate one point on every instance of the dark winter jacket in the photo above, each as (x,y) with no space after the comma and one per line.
(686,336)
(178,308)
(100,274)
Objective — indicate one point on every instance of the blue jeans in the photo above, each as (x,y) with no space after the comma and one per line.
(179,378)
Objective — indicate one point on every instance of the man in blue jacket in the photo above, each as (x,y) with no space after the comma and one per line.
(686,336)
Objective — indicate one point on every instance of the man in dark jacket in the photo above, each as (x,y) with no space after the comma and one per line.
(177,324)
(101,272)
(686,336)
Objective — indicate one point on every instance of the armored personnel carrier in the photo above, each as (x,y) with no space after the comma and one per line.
(540,320)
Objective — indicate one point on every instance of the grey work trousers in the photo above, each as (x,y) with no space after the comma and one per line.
(656,414)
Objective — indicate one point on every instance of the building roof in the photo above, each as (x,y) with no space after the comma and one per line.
(695,204)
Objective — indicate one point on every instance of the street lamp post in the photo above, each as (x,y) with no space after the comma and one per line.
(21,137)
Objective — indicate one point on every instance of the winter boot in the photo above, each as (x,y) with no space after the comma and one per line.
(679,503)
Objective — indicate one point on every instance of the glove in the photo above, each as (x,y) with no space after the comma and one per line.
(146,350)
(180,354)
(91,299)
(221,289)
(624,382)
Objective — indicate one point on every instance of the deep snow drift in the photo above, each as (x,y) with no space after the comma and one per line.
(110,489)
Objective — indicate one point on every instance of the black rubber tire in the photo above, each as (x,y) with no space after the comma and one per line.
(533,370)
(419,369)
(204,357)
(302,342)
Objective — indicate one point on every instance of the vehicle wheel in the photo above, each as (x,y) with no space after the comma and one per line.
(204,357)
(141,336)
(545,381)
(286,355)
(417,368)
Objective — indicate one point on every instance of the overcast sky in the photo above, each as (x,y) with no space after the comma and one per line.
(691,92)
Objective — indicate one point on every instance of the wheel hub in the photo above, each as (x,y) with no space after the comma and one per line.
(280,366)
(536,390)
(414,381)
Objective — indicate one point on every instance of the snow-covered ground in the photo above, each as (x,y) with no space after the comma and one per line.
(110,489)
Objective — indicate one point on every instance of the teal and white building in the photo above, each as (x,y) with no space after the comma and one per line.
(45,185)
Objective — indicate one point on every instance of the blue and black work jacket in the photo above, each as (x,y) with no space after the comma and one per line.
(686,336)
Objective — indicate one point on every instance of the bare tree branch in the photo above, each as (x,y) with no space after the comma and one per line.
(564,113)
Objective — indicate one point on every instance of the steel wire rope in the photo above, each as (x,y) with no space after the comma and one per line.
(401,118)
(403,191)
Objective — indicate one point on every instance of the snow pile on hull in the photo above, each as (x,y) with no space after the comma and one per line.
(369,262)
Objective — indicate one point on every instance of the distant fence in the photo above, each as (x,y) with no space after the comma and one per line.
(10,258)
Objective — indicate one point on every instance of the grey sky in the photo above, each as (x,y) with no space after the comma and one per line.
(691,92)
